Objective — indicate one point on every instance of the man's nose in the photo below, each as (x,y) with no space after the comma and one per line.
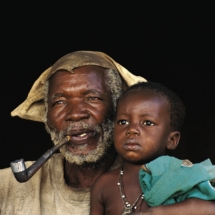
(133,130)
(76,111)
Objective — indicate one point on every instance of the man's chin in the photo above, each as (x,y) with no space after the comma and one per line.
(80,149)
(81,157)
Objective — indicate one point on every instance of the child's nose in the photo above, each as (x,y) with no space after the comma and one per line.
(132,130)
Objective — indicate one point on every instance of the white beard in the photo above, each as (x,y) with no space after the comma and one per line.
(94,155)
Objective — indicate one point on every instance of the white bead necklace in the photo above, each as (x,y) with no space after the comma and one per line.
(128,208)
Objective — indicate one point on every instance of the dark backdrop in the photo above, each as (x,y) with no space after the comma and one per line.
(171,42)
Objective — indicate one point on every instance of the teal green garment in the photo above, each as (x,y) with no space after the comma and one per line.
(170,182)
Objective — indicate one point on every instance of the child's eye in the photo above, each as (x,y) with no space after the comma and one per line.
(122,122)
(148,123)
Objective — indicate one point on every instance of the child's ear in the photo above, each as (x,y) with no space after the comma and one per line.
(173,140)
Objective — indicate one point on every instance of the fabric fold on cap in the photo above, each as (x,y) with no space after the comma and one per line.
(33,108)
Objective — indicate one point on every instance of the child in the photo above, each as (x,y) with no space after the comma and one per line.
(147,123)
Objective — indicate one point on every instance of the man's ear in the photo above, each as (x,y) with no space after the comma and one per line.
(173,140)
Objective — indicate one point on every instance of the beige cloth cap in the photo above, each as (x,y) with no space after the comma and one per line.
(33,108)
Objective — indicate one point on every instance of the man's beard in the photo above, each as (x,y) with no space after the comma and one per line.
(94,156)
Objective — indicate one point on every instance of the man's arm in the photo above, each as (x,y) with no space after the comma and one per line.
(188,207)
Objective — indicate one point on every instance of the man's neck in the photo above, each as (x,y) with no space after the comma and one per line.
(85,175)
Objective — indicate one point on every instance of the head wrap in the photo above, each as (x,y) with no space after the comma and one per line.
(33,108)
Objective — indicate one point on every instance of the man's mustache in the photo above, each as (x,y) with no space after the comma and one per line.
(75,127)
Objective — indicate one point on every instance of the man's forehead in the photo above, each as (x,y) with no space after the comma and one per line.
(87,79)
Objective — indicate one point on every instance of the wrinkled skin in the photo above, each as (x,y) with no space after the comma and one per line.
(81,102)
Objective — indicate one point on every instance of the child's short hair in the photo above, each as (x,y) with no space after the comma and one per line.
(177,109)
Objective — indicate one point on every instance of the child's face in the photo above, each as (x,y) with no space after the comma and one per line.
(142,126)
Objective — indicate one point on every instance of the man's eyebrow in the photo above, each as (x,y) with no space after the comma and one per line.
(55,96)
(92,91)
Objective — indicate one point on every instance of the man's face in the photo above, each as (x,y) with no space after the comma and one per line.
(79,105)
(142,126)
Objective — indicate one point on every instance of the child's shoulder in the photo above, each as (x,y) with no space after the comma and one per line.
(103,191)
(108,177)
(101,188)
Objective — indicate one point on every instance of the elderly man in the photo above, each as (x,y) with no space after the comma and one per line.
(76,97)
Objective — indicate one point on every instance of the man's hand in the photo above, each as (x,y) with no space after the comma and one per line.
(187,207)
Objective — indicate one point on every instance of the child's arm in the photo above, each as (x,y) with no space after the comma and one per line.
(96,200)
(188,207)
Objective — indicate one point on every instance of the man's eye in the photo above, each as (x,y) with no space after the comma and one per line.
(58,102)
(92,98)
(122,122)
(148,123)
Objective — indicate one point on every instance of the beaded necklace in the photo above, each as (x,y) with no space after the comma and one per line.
(128,208)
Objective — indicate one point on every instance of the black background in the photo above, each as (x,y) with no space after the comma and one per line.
(171,42)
